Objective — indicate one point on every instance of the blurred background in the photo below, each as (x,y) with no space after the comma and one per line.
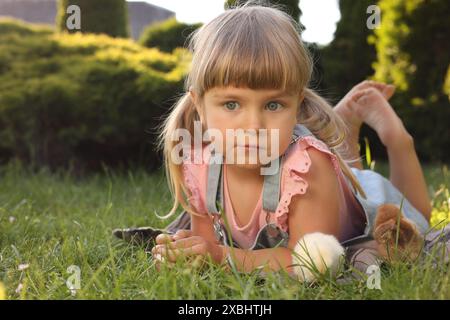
(83,99)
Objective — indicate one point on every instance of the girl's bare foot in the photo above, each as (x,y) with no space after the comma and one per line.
(370,107)
(350,149)
(346,111)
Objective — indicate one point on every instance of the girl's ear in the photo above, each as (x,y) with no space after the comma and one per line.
(193,96)
(301,96)
(197,104)
(194,99)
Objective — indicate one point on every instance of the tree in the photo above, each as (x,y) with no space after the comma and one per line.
(348,59)
(99,16)
(413,48)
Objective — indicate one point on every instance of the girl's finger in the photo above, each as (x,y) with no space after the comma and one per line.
(197,249)
(180,234)
(158,257)
(185,242)
(173,254)
(164,238)
(169,254)
(157,249)
(178,244)
(159,260)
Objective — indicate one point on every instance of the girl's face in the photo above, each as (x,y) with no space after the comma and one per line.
(250,111)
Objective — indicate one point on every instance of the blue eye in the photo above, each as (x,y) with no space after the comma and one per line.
(231,105)
(272,106)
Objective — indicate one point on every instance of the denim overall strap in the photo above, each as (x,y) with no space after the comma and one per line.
(214,192)
(271,187)
(300,131)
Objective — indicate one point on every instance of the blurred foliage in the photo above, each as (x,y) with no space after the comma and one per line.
(82,99)
(447,84)
(413,52)
(440,195)
(99,16)
(91,98)
(347,60)
(167,35)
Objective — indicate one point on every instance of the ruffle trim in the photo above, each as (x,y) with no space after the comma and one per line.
(298,162)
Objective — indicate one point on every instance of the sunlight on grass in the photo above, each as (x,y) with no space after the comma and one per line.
(51,221)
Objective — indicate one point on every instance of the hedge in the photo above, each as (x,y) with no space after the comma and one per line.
(81,99)
(99,16)
(167,35)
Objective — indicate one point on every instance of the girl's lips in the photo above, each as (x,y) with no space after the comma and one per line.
(250,146)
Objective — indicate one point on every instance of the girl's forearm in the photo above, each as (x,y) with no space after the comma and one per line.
(406,174)
(273,259)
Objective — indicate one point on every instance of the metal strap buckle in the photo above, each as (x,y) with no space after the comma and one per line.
(267,217)
(217,228)
(218,232)
(294,139)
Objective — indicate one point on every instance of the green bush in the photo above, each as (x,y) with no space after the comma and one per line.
(447,83)
(167,35)
(99,16)
(84,99)
(413,53)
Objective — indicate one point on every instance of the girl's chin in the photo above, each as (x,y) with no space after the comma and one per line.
(247,162)
(247,157)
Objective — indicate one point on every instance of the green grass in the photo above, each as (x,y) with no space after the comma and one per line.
(53,221)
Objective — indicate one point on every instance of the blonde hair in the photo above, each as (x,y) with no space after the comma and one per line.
(271,55)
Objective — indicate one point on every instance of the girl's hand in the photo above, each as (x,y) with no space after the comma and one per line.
(165,239)
(184,244)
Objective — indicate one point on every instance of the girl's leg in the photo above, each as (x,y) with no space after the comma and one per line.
(350,147)
(371,107)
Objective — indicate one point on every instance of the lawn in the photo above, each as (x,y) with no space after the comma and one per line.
(52,221)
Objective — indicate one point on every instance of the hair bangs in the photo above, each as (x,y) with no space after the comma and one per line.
(254,52)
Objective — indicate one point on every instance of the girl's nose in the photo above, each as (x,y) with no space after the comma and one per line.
(255,120)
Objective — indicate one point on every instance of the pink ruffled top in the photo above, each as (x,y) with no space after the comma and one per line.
(297,162)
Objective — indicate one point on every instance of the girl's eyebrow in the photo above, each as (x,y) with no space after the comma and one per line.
(242,97)
(279,95)
(227,96)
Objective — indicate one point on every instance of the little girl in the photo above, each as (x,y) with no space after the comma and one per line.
(250,71)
